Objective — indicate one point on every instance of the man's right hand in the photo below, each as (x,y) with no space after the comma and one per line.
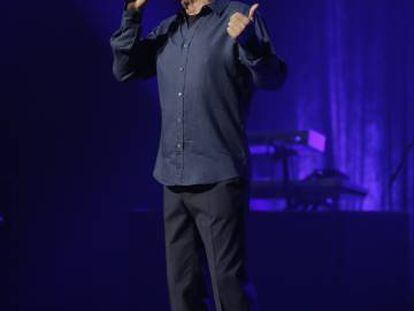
(135,4)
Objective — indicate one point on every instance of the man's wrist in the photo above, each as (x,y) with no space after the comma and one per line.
(129,6)
(249,42)
(247,36)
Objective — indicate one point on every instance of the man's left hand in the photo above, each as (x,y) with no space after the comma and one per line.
(238,22)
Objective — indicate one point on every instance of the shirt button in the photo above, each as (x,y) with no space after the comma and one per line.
(178,146)
(185,45)
(181,68)
(180,94)
(179,120)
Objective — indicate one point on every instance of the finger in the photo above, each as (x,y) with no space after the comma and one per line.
(236,27)
(238,24)
(233,31)
(240,17)
(253,10)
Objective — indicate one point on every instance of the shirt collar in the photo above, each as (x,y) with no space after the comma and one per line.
(216,6)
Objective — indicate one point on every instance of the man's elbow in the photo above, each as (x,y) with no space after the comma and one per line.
(120,75)
(273,80)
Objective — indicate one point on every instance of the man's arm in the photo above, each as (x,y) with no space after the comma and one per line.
(256,50)
(134,57)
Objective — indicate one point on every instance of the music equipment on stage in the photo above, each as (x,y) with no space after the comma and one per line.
(280,147)
(397,171)
(308,194)
(321,189)
(263,143)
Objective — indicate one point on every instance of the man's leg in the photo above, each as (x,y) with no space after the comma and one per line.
(219,213)
(183,245)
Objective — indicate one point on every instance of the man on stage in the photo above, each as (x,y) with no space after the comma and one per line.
(208,58)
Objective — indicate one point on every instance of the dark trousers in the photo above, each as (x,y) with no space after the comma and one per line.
(207,219)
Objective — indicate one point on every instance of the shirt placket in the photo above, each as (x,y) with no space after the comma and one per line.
(187,38)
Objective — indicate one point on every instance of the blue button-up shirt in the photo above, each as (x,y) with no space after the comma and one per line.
(206,80)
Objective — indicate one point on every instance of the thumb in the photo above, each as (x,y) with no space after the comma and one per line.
(253,10)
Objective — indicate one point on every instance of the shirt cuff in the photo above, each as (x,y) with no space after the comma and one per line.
(131,17)
(249,43)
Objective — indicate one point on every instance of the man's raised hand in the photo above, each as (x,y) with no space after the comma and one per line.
(135,4)
(238,21)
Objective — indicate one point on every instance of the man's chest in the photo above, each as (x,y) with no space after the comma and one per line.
(205,46)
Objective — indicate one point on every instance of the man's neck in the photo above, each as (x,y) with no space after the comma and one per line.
(193,7)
